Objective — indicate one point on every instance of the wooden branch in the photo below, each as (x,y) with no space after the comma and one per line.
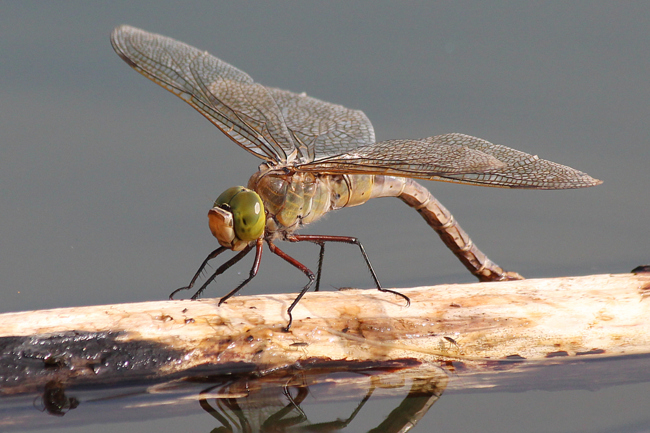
(472,325)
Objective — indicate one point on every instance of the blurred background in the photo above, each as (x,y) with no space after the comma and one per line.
(107,178)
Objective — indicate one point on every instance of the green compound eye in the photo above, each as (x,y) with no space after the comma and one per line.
(227,195)
(247,210)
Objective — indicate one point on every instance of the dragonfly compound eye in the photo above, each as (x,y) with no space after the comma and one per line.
(248,215)
(237,217)
(227,196)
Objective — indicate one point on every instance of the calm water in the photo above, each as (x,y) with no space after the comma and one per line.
(107,179)
(367,400)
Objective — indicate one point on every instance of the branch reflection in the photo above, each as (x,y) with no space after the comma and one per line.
(286,401)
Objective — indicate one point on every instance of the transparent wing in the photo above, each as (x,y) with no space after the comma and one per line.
(454,158)
(323,128)
(276,125)
(284,127)
(226,96)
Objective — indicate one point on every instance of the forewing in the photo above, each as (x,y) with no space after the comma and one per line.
(227,97)
(322,128)
(455,158)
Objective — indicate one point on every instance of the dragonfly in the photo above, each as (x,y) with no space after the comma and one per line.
(319,157)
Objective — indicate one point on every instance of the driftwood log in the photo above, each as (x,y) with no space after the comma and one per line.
(475,331)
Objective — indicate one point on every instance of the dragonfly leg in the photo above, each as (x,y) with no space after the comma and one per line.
(277,251)
(222,269)
(211,256)
(321,256)
(256,267)
(321,239)
(219,271)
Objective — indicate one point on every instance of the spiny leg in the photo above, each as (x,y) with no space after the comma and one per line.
(277,251)
(223,268)
(219,271)
(211,256)
(321,239)
(256,267)
(321,256)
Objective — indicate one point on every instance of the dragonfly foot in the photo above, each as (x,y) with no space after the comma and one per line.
(406,298)
(171,295)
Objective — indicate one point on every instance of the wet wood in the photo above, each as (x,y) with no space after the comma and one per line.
(474,325)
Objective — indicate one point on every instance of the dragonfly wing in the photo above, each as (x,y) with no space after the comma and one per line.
(429,157)
(322,128)
(454,158)
(227,97)
(523,170)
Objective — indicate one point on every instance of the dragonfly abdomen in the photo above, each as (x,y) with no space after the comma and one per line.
(444,223)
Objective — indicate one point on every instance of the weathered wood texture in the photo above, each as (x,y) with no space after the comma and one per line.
(537,319)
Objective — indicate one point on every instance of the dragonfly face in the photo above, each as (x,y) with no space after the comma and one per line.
(237,218)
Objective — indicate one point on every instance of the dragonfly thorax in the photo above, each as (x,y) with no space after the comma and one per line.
(293,199)
(237,218)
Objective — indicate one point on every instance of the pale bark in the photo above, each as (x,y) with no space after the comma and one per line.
(558,319)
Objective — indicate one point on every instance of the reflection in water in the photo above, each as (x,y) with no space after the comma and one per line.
(324,398)
(232,413)
(301,399)
(274,404)
(54,400)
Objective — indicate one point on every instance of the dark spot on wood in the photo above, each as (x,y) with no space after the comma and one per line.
(344,365)
(53,363)
(454,305)
(189,320)
(165,318)
(454,365)
(515,357)
(591,352)
(556,354)
(184,310)
(501,364)
(299,344)
(250,338)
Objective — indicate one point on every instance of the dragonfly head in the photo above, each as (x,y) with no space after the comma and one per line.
(237,218)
